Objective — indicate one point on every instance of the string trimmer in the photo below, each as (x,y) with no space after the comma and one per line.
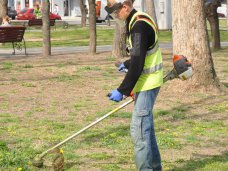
(182,69)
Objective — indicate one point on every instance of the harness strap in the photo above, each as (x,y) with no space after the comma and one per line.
(147,19)
(138,17)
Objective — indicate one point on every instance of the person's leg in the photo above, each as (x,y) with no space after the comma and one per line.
(147,156)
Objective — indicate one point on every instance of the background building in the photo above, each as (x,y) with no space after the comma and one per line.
(71,8)
(66,7)
(163,12)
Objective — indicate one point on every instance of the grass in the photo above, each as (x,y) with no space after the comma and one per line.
(53,99)
(6,65)
(223,23)
(223,35)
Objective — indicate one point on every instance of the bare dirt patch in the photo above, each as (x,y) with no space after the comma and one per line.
(46,99)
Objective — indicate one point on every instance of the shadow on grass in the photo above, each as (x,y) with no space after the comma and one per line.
(99,135)
(196,164)
(181,112)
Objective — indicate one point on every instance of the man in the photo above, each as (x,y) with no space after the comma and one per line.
(144,78)
(37,12)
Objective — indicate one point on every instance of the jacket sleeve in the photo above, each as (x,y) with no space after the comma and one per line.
(142,37)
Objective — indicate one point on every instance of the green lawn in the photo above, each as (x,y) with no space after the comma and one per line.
(76,36)
(223,23)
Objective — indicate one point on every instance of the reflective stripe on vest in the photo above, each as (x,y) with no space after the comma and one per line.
(152,69)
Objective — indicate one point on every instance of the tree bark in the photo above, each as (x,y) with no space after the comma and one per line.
(92,26)
(3,9)
(150,9)
(46,28)
(84,12)
(190,38)
(119,42)
(215,33)
(212,17)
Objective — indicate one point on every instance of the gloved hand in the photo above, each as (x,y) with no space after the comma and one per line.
(122,68)
(116,96)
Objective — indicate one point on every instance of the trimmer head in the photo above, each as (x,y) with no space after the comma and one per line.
(38,162)
(58,159)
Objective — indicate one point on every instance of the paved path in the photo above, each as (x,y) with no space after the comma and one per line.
(70,50)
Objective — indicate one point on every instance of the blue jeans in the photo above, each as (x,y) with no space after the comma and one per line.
(147,156)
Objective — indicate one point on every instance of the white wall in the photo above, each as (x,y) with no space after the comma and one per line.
(163,12)
(11,4)
(75,8)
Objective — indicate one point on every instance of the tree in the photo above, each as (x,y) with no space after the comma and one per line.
(3,9)
(92,26)
(119,42)
(212,16)
(46,28)
(150,9)
(190,38)
(84,12)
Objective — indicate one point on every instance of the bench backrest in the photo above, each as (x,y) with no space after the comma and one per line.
(11,34)
(38,22)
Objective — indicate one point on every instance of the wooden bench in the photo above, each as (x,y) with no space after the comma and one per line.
(14,35)
(38,22)
(19,23)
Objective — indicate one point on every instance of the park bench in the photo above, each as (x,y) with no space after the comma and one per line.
(19,23)
(38,22)
(14,35)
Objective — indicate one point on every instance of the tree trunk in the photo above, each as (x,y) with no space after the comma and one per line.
(119,42)
(212,17)
(150,9)
(3,9)
(190,39)
(92,26)
(215,33)
(46,28)
(84,12)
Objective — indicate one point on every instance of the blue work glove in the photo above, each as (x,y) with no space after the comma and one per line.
(122,68)
(116,96)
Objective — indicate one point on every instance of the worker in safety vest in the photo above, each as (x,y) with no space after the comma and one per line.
(37,12)
(144,78)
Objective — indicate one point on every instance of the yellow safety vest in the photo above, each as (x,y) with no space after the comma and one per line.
(152,74)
